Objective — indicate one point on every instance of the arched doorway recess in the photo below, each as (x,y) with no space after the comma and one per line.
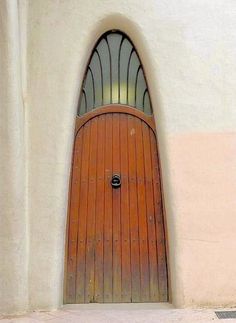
(116,248)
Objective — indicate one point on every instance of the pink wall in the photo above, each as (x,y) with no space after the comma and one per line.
(203,183)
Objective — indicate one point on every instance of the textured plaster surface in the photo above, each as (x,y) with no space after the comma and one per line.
(202,175)
(13,218)
(188,50)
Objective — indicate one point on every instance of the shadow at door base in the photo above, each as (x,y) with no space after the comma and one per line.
(119,306)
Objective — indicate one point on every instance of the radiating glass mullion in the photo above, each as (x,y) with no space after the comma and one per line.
(114,76)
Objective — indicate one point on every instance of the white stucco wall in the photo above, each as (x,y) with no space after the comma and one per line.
(188,49)
(13,216)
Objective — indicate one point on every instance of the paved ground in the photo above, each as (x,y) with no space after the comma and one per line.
(119,313)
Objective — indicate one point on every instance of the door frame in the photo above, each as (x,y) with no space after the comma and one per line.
(114,108)
(149,119)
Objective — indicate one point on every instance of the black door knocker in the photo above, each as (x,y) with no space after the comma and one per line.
(116,181)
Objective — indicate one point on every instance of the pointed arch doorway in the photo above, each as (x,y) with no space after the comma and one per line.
(116,248)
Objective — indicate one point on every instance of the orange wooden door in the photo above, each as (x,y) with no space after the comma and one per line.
(116,243)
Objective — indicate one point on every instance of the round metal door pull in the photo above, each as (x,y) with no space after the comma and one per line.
(116,181)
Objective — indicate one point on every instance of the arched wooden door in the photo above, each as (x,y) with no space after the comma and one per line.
(115,243)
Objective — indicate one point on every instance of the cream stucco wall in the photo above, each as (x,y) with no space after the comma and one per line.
(188,49)
(13,215)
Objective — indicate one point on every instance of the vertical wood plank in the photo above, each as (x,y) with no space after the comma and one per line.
(90,243)
(116,211)
(161,249)
(125,227)
(134,228)
(108,213)
(154,291)
(73,219)
(142,214)
(116,238)
(100,210)
(83,202)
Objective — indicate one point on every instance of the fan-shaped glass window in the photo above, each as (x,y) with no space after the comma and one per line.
(114,76)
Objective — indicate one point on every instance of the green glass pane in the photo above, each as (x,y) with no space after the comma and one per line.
(89,90)
(124,59)
(132,73)
(103,50)
(114,41)
(140,89)
(82,109)
(97,75)
(147,104)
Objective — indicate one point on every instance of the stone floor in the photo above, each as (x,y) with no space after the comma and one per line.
(119,313)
